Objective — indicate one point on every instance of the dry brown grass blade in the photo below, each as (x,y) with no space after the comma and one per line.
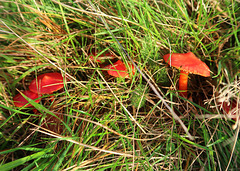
(115,132)
(86,163)
(97,14)
(56,29)
(62,138)
(233,147)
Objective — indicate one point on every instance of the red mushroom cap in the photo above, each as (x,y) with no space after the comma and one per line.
(120,69)
(187,62)
(47,83)
(20,101)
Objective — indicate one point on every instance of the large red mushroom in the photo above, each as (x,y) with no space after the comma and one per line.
(47,83)
(20,101)
(187,63)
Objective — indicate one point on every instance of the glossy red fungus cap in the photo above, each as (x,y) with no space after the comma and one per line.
(47,83)
(20,101)
(187,62)
(119,69)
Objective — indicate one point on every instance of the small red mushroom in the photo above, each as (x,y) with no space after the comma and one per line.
(187,63)
(47,83)
(20,101)
(119,69)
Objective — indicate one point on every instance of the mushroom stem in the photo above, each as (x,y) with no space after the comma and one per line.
(183,83)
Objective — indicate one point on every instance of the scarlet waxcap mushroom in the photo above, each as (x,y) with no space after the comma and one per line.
(187,63)
(47,83)
(20,101)
(119,69)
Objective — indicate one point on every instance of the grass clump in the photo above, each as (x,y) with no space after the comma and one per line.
(138,98)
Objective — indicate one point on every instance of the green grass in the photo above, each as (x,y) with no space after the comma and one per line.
(114,123)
